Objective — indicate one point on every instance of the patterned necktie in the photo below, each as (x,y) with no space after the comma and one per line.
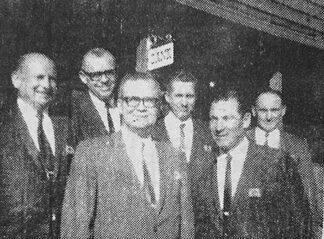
(109,119)
(182,137)
(227,196)
(148,186)
(45,150)
(266,139)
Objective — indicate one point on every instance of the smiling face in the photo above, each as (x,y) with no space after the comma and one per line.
(269,111)
(227,124)
(102,85)
(138,117)
(35,80)
(181,98)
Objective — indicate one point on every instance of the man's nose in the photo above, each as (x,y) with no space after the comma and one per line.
(141,106)
(268,115)
(46,82)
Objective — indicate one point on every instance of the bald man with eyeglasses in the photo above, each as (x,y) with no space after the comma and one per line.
(94,112)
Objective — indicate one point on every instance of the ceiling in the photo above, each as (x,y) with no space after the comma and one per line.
(301,21)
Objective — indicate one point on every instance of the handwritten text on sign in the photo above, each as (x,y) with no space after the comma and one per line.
(160,56)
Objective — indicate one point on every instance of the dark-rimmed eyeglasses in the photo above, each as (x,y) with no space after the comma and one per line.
(148,102)
(97,76)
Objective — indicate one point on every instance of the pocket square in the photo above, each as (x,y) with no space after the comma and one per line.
(254,192)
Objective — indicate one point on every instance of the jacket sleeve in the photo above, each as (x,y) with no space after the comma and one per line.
(80,195)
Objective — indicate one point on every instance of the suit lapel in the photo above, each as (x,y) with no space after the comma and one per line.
(26,139)
(91,114)
(243,186)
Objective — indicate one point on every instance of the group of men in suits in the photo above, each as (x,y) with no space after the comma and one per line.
(136,176)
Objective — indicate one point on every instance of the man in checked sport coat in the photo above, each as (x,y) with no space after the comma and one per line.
(248,193)
(108,185)
(31,188)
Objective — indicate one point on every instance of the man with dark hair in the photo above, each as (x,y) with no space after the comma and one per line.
(129,184)
(247,192)
(94,113)
(269,110)
(189,135)
(34,154)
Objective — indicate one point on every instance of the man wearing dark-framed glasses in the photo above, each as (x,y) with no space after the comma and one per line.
(94,112)
(129,184)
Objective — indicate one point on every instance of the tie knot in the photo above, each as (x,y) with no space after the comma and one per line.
(182,125)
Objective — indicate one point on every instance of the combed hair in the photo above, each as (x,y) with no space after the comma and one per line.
(98,52)
(224,94)
(266,90)
(183,76)
(24,58)
(137,76)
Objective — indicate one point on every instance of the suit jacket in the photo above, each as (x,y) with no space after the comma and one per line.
(30,199)
(200,157)
(103,187)
(265,205)
(86,121)
(298,150)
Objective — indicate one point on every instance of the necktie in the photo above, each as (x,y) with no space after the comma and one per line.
(148,186)
(266,139)
(45,150)
(227,196)
(182,137)
(109,119)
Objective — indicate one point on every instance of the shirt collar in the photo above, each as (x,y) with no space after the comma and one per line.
(260,131)
(238,151)
(96,100)
(173,120)
(28,110)
(131,138)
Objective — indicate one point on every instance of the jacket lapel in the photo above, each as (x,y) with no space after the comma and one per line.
(91,114)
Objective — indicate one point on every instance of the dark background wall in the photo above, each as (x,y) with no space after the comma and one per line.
(212,48)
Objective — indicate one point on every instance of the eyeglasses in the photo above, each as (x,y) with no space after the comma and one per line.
(148,102)
(97,76)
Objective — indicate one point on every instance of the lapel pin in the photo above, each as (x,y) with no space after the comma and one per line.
(207,148)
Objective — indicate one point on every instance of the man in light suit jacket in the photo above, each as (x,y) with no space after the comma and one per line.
(186,133)
(269,110)
(128,184)
(248,191)
(32,172)
(94,112)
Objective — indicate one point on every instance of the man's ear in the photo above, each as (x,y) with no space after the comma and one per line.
(83,77)
(15,80)
(253,111)
(246,120)
(283,110)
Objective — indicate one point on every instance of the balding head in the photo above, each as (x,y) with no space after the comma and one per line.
(35,79)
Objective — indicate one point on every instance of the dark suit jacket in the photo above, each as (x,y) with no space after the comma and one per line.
(86,121)
(200,158)
(102,171)
(265,204)
(298,150)
(30,202)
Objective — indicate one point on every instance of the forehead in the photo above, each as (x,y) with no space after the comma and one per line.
(102,63)
(268,100)
(224,108)
(39,66)
(182,87)
(140,88)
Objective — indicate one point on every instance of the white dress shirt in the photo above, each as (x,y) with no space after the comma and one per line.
(29,114)
(273,138)
(172,125)
(102,110)
(238,155)
(134,145)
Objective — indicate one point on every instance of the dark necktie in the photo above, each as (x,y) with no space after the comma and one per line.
(148,186)
(182,137)
(227,194)
(45,150)
(109,119)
